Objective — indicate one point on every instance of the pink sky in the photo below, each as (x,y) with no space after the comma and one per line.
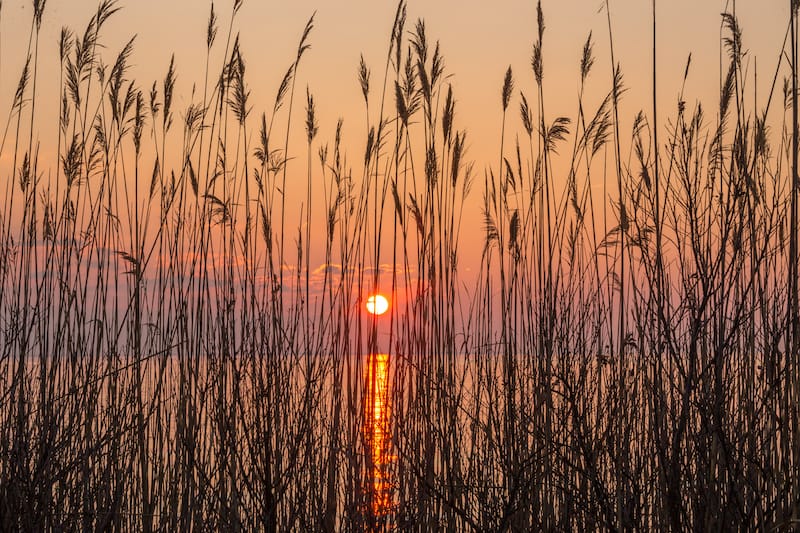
(479,41)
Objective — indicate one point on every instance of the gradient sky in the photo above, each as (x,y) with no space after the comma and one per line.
(479,40)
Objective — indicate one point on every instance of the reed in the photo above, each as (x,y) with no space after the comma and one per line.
(172,359)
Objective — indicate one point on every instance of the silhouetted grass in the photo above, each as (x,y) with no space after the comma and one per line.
(171,359)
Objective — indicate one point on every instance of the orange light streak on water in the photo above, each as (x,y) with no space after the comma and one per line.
(378,436)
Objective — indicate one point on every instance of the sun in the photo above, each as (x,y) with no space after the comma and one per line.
(377,304)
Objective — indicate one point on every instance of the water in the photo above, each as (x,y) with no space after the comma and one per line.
(377,433)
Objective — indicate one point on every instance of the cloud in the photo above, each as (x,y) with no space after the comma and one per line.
(330,268)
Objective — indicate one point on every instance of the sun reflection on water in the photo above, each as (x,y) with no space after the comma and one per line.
(378,436)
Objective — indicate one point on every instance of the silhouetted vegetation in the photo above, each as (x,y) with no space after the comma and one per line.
(172,360)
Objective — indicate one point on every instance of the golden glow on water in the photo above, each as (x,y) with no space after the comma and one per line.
(378,437)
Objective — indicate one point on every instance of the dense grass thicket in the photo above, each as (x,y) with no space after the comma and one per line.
(170,358)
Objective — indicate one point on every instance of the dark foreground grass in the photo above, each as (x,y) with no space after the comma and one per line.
(171,359)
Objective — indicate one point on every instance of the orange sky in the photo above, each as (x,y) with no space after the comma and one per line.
(479,40)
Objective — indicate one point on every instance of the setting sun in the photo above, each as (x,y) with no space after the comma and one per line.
(377,304)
